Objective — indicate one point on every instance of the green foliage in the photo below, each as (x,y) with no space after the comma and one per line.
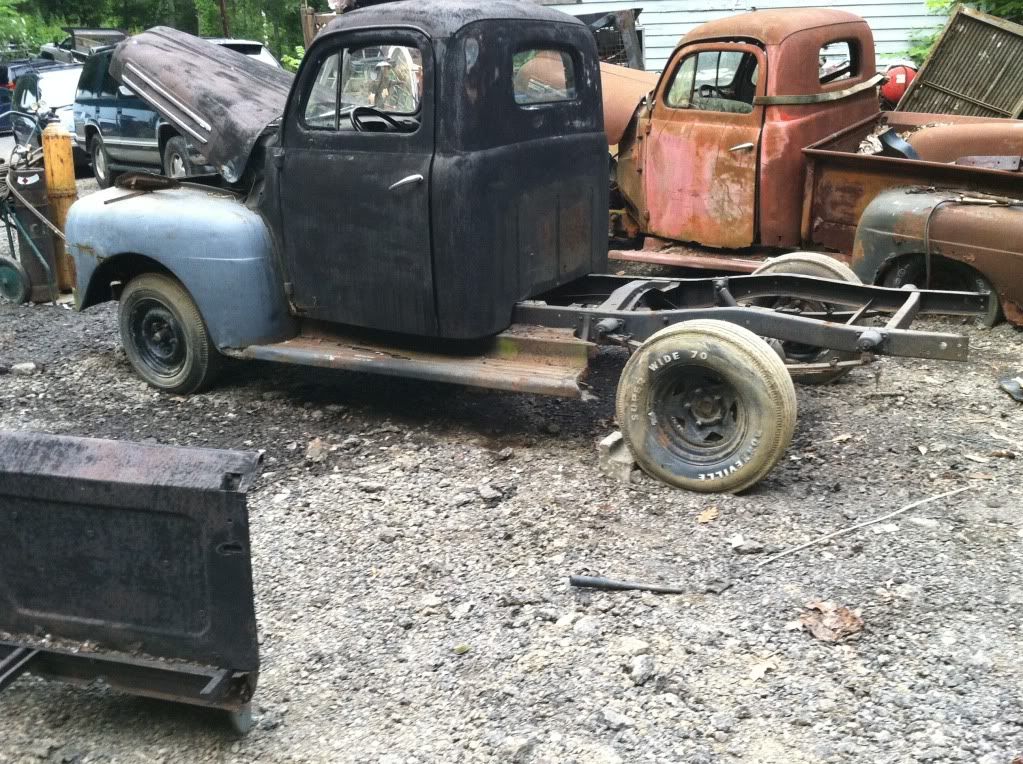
(291,61)
(922,41)
(25,32)
(275,23)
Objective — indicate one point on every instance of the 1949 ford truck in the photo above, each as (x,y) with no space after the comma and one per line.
(421,210)
(749,142)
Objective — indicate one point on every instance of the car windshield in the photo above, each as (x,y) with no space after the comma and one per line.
(58,88)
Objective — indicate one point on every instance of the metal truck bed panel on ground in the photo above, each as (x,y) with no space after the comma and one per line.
(128,560)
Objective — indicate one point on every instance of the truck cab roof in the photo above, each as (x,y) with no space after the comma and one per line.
(443,18)
(771,27)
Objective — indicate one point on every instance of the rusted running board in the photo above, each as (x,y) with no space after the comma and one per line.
(527,359)
(133,561)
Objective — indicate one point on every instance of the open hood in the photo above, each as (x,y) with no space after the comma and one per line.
(221,100)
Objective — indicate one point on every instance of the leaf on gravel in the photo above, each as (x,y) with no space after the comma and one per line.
(829,622)
(978,459)
(980,476)
(711,513)
(842,438)
(760,669)
(1003,454)
(922,450)
(736,541)
(461,649)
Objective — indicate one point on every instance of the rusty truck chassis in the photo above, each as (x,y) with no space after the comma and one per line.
(546,349)
(635,309)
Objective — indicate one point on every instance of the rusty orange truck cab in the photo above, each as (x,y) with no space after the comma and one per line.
(763,134)
(715,156)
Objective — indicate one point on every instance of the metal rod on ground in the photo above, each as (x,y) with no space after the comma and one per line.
(851,528)
(598,582)
(59,165)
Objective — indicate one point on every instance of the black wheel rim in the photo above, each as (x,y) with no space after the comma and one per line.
(157,337)
(698,414)
(12,282)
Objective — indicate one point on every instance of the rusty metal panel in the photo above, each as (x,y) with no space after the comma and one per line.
(973,70)
(132,557)
(526,359)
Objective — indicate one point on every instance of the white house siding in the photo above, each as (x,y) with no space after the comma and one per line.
(664,22)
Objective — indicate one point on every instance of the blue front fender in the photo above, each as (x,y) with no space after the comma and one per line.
(220,250)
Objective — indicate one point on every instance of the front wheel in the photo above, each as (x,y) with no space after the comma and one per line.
(176,163)
(165,337)
(707,406)
(105,177)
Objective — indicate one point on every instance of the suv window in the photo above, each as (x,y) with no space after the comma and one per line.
(27,93)
(108,87)
(90,73)
(715,80)
(387,78)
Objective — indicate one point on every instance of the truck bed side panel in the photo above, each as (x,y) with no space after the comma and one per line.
(841,182)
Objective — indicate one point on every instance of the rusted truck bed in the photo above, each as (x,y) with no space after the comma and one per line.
(841,182)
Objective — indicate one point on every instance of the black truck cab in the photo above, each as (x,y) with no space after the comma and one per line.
(413,194)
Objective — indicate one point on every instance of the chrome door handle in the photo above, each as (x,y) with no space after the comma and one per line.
(417,178)
(742,147)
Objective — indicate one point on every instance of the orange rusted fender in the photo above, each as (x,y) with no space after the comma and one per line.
(624,89)
(949,143)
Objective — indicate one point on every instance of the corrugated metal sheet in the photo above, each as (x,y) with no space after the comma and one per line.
(973,70)
(664,22)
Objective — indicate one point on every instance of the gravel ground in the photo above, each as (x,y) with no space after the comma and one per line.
(405,618)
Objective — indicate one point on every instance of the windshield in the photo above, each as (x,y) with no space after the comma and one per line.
(58,88)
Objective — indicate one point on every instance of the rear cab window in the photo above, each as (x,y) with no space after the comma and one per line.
(838,62)
(543,75)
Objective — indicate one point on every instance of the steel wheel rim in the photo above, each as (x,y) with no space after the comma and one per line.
(177,166)
(697,414)
(99,162)
(158,338)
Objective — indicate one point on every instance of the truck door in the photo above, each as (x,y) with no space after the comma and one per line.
(702,150)
(354,184)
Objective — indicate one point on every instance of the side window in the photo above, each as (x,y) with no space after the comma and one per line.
(27,100)
(543,76)
(384,78)
(108,88)
(713,80)
(838,61)
(87,82)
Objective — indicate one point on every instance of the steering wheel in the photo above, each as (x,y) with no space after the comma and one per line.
(711,91)
(360,111)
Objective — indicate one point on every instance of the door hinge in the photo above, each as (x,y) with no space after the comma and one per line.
(278,157)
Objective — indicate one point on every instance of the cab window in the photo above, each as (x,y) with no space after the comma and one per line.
(27,99)
(543,76)
(715,80)
(838,61)
(107,88)
(385,79)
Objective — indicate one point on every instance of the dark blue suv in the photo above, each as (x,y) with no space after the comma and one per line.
(121,132)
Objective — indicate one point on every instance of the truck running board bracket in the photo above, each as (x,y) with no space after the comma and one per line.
(129,563)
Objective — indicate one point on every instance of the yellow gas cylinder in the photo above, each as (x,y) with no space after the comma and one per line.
(59,164)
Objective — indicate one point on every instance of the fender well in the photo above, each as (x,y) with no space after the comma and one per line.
(117,269)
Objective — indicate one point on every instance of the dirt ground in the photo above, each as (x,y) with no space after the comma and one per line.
(403,617)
